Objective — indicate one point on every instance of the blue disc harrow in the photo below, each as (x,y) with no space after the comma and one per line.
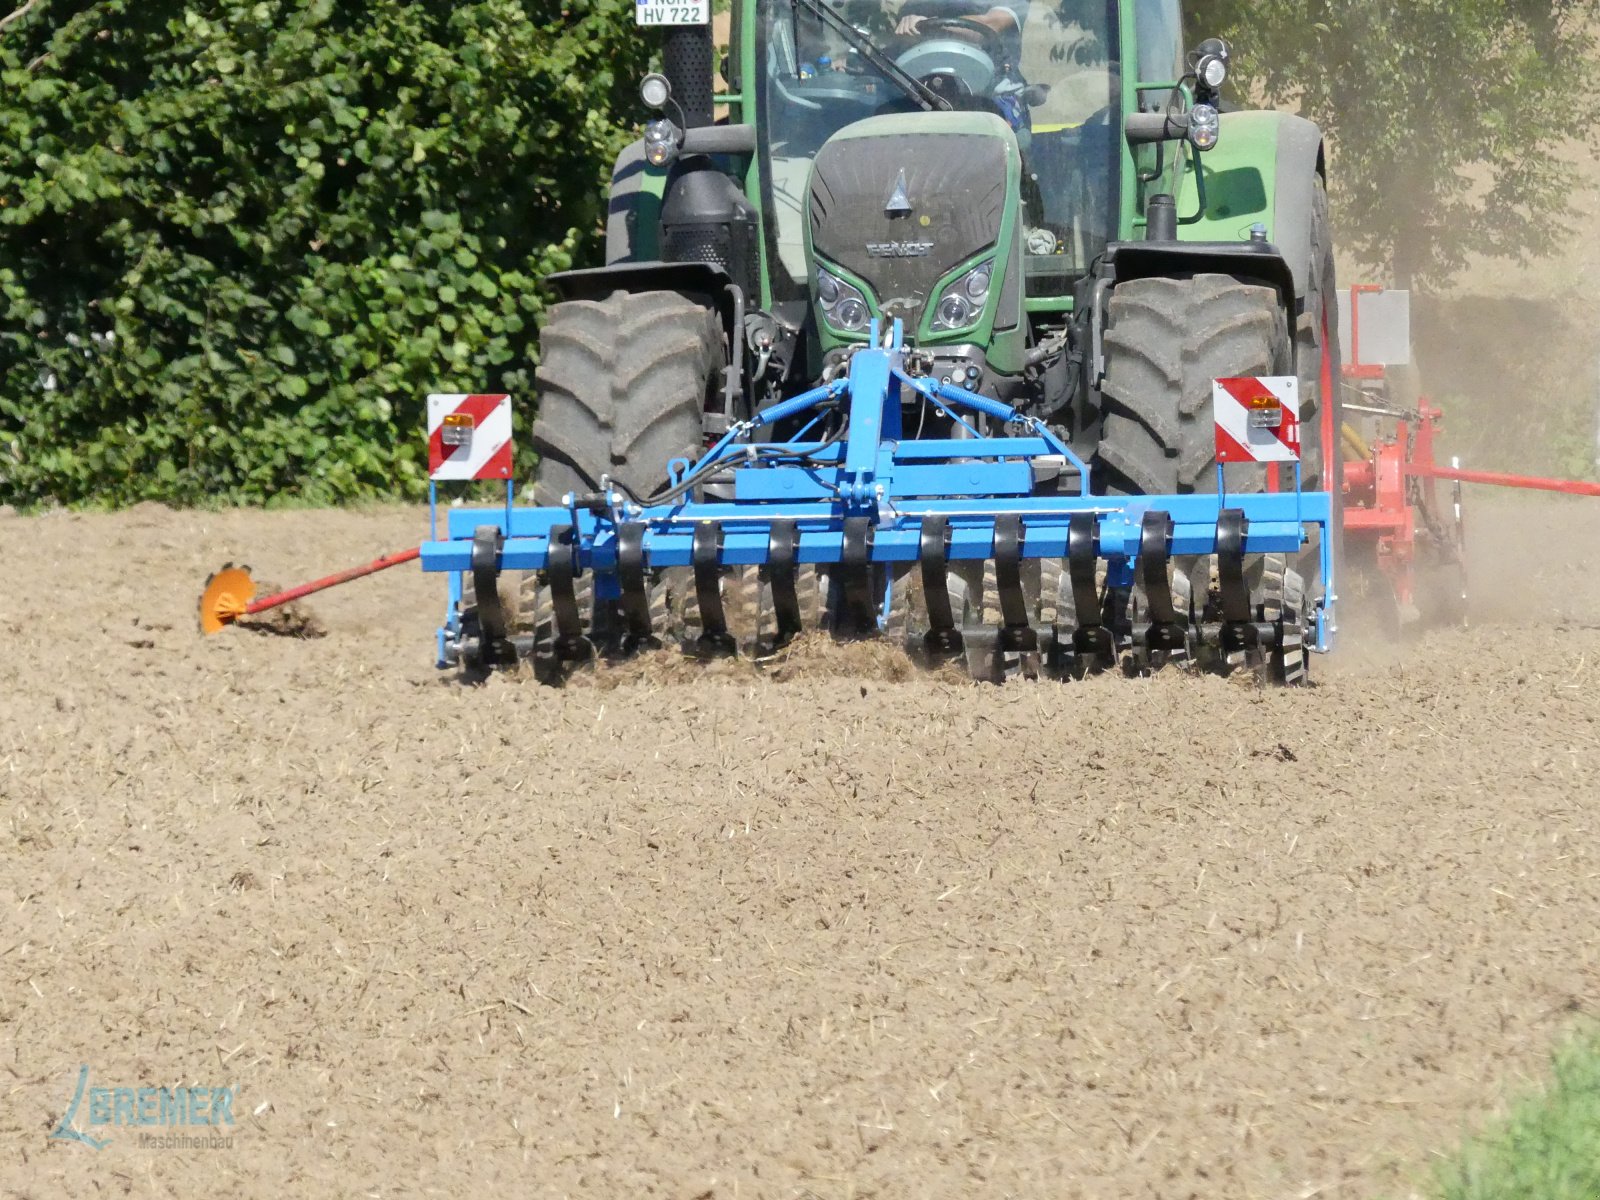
(984,547)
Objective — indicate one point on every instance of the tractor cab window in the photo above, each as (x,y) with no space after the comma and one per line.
(1072,148)
(1160,27)
(1047,67)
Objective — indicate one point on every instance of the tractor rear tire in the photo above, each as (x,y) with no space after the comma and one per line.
(1166,341)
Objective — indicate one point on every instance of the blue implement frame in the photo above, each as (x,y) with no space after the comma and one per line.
(868,496)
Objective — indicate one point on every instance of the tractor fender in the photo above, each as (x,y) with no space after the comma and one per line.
(699,281)
(1300,160)
(702,283)
(633,216)
(1126,261)
(1263,171)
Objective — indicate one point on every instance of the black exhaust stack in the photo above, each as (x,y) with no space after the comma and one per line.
(688,59)
(704,214)
(1161,219)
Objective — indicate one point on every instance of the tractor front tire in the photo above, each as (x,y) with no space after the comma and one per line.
(622,385)
(1166,341)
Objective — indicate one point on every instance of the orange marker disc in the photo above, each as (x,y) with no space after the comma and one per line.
(226,598)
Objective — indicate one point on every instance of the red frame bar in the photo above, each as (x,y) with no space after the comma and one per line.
(1537,483)
(317,585)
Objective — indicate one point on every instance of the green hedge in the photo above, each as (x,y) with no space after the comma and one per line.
(239,242)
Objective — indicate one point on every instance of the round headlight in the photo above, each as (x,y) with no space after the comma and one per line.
(850,315)
(1213,73)
(977,286)
(954,311)
(827,287)
(655,91)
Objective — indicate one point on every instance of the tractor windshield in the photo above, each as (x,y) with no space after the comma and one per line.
(1048,67)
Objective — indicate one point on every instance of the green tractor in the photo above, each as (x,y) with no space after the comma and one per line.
(1050,198)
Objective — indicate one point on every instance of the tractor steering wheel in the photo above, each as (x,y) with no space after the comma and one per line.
(988,40)
(954,54)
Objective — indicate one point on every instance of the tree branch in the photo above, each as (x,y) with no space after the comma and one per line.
(11,18)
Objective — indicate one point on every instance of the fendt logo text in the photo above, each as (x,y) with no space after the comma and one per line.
(899,249)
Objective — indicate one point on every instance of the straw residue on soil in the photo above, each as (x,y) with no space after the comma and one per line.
(809,656)
(835,930)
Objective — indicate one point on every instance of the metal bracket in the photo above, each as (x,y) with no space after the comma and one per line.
(1092,642)
(715,640)
(1017,634)
(631,577)
(779,573)
(494,645)
(1238,621)
(943,641)
(860,607)
(1166,632)
(561,570)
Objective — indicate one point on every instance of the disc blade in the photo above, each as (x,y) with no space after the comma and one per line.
(226,598)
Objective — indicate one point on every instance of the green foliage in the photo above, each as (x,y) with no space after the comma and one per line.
(240,241)
(1549,1147)
(1445,116)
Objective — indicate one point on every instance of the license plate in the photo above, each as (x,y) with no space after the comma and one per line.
(1266,418)
(456,430)
(653,12)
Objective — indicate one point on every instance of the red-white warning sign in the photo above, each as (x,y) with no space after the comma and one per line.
(469,437)
(1258,420)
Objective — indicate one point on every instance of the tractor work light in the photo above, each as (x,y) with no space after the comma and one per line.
(844,308)
(962,302)
(655,91)
(1205,126)
(1211,60)
(660,142)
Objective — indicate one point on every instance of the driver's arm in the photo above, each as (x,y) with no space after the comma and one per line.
(1002,18)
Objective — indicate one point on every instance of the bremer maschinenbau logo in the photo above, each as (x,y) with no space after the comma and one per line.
(148,1108)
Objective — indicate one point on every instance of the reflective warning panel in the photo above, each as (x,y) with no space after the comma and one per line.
(469,437)
(1258,419)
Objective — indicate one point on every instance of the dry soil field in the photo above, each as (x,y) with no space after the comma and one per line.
(846,933)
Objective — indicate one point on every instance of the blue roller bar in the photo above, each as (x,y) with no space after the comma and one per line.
(871,472)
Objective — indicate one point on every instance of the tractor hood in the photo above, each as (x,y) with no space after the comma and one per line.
(903,208)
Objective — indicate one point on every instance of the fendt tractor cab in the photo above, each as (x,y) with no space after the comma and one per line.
(1045,205)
